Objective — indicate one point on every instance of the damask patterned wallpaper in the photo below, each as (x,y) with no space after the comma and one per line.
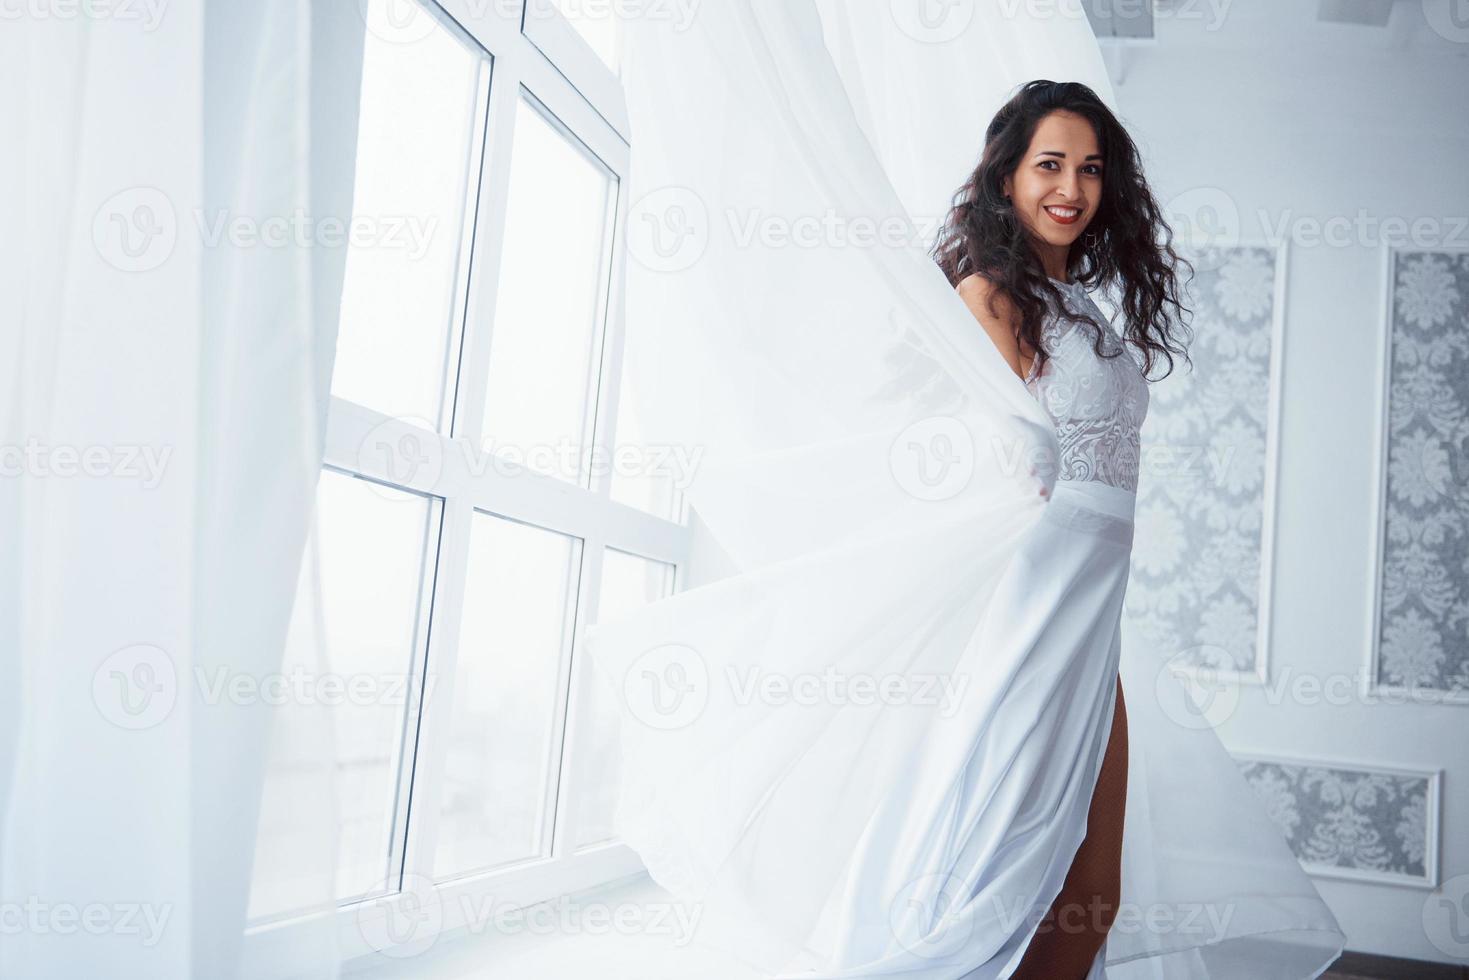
(1195,592)
(1204,533)
(1352,822)
(1423,607)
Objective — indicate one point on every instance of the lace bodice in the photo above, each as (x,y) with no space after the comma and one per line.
(1097,404)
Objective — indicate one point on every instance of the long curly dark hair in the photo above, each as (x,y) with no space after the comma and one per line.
(1127,248)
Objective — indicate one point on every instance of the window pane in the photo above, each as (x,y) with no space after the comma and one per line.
(417,166)
(628,582)
(375,561)
(376,567)
(545,336)
(518,609)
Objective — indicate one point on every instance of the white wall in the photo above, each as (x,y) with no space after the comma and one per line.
(1295,120)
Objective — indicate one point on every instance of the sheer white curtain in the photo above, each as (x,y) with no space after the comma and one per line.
(925,79)
(164,397)
(866,457)
(776,285)
(870,464)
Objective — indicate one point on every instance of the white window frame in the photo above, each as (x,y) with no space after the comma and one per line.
(538,59)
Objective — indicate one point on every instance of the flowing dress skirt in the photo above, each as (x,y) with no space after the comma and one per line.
(887,773)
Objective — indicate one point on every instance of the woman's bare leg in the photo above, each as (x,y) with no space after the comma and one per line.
(1087,903)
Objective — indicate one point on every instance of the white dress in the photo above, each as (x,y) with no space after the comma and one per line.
(897,837)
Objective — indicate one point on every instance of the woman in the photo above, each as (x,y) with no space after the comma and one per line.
(1059,197)
(877,746)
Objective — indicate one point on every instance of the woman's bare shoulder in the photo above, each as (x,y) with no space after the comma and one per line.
(975,284)
(991,306)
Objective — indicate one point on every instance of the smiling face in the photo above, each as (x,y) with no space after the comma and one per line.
(1057,188)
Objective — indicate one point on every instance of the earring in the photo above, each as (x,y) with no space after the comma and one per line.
(1091,239)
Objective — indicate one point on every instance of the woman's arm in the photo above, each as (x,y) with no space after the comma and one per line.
(994,311)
